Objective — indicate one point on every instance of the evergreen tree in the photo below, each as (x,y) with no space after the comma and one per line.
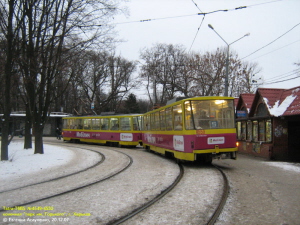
(131,105)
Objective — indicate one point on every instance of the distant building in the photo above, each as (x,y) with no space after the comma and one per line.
(268,123)
(17,123)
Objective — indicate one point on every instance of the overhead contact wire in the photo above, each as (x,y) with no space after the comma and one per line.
(197,33)
(272,41)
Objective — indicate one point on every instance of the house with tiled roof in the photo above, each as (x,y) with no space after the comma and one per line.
(268,123)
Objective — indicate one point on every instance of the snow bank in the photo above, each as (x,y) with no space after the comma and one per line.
(23,161)
(295,167)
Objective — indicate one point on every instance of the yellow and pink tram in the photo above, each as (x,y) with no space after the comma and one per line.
(192,129)
(114,130)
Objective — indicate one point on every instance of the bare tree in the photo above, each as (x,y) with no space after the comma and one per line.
(208,72)
(121,81)
(9,30)
(163,70)
(48,30)
(103,80)
(169,71)
(244,78)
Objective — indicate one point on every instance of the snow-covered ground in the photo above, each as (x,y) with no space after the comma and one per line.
(24,162)
(285,165)
(21,162)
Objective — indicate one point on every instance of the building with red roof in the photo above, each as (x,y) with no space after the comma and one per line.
(268,123)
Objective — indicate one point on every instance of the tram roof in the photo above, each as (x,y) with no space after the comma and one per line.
(175,101)
(104,115)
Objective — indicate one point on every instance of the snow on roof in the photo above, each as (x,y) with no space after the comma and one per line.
(281,102)
(279,108)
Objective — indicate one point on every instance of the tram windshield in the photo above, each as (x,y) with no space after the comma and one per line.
(209,114)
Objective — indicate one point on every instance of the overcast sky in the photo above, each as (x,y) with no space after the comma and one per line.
(274,24)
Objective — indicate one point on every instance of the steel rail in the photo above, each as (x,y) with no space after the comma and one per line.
(223,199)
(148,204)
(64,176)
(77,188)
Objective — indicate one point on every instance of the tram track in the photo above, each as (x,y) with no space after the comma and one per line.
(206,215)
(223,199)
(136,209)
(106,177)
(102,158)
(151,202)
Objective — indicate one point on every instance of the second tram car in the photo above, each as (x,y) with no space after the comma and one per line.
(114,130)
(192,129)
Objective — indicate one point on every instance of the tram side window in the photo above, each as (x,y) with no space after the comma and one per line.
(169,119)
(137,122)
(78,124)
(189,124)
(66,124)
(201,113)
(125,123)
(69,124)
(114,123)
(105,123)
(157,121)
(177,114)
(162,122)
(87,124)
(96,124)
(152,121)
(147,122)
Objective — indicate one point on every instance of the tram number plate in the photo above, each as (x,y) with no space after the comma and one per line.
(215,140)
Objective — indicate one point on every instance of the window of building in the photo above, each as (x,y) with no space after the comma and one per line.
(243,130)
(268,130)
(255,130)
(249,130)
(239,129)
(261,110)
(262,130)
